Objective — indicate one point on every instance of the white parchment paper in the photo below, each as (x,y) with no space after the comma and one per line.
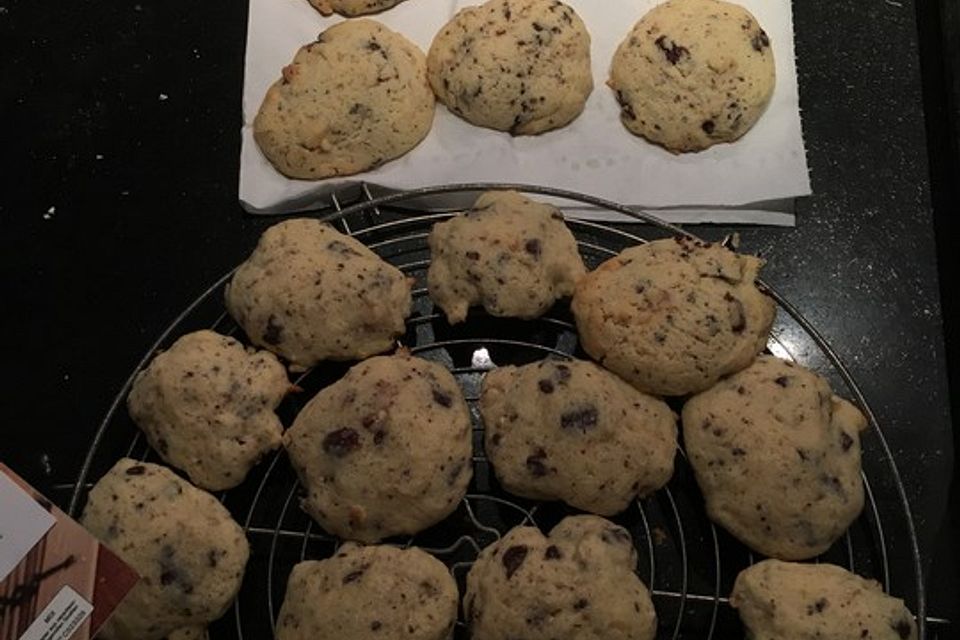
(595,154)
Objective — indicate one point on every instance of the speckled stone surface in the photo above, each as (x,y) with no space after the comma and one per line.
(120,153)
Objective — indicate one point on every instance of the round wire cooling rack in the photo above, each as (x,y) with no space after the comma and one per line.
(688,563)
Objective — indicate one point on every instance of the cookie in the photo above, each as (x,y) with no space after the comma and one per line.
(189,552)
(572,431)
(673,316)
(777,456)
(521,66)
(807,602)
(510,254)
(386,450)
(693,73)
(373,592)
(206,406)
(352,100)
(310,293)
(352,7)
(577,583)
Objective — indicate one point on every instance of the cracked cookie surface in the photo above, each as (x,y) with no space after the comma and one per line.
(578,582)
(693,73)
(673,316)
(512,255)
(369,592)
(347,103)
(188,550)
(387,450)
(779,600)
(572,431)
(777,456)
(310,293)
(521,66)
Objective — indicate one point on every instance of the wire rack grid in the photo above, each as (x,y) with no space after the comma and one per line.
(687,562)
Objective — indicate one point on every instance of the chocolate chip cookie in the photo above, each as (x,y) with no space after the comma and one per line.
(693,73)
(571,431)
(310,293)
(521,66)
(189,552)
(352,100)
(206,406)
(369,593)
(387,450)
(806,602)
(578,583)
(352,7)
(673,316)
(513,255)
(777,456)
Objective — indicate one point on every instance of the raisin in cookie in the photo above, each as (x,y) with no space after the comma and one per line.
(578,583)
(575,432)
(521,66)
(369,592)
(206,406)
(310,293)
(693,73)
(352,7)
(348,102)
(514,256)
(777,456)
(189,552)
(673,316)
(807,602)
(386,450)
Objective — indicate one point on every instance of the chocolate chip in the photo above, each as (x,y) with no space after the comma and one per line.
(802,454)
(137,470)
(582,418)
(737,452)
(545,386)
(845,441)
(817,607)
(495,439)
(760,40)
(163,447)
(903,628)
(532,247)
(353,576)
(707,127)
(168,577)
(552,553)
(580,604)
(783,381)
(378,436)
(674,52)
(626,109)
(442,398)
(535,464)
(513,558)
(738,319)
(375,625)
(273,334)
(341,442)
(374,46)
(473,255)
(338,246)
(213,557)
(563,373)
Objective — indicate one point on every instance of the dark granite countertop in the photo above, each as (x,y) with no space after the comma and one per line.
(120,146)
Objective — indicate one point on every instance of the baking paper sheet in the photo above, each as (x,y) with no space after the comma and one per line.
(728,183)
